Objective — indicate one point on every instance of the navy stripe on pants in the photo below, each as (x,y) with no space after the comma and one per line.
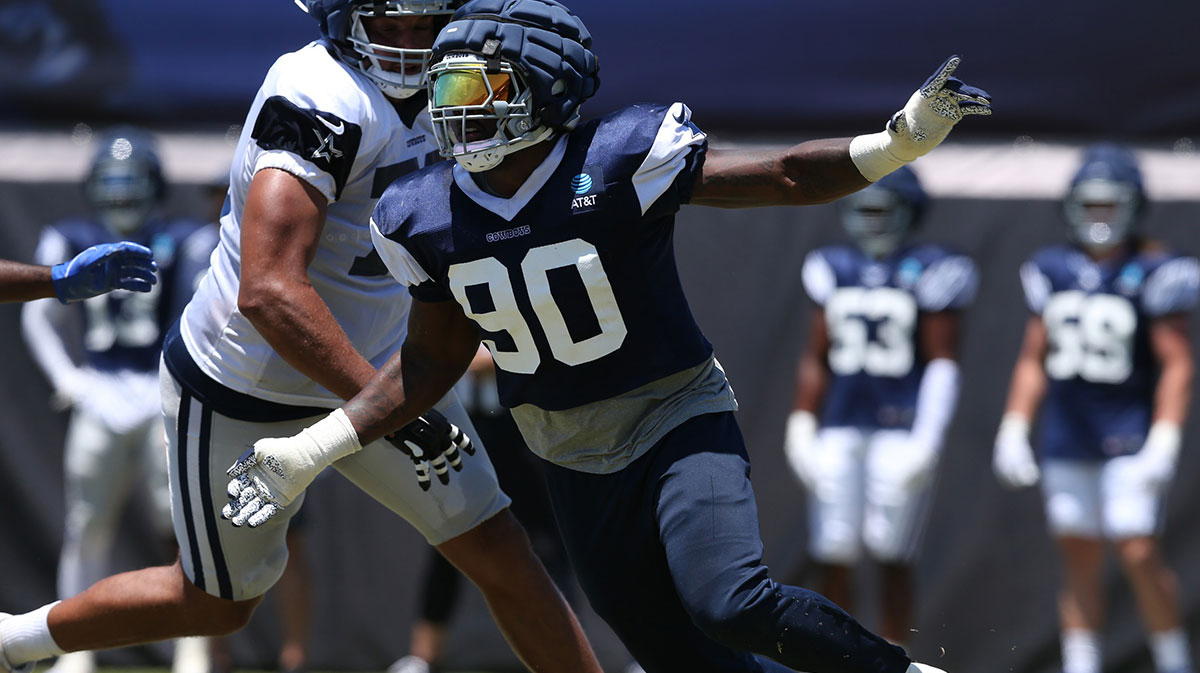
(669,553)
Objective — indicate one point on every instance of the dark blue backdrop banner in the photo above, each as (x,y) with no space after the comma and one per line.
(1059,67)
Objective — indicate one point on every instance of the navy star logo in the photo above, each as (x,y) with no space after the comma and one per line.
(326,150)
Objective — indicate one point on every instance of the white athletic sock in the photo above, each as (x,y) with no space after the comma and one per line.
(25,638)
(1080,651)
(1171,652)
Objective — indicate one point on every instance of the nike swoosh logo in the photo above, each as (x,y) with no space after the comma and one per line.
(337,130)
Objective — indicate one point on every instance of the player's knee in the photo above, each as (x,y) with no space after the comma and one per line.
(1138,554)
(210,615)
(736,618)
(886,548)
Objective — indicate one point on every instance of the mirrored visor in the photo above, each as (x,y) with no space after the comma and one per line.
(470,87)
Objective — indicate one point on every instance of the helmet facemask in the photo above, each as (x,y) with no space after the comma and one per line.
(481,111)
(411,75)
(1101,212)
(878,220)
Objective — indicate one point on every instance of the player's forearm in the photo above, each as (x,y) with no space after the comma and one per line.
(818,171)
(45,342)
(812,378)
(1028,387)
(300,328)
(1174,391)
(24,282)
(406,386)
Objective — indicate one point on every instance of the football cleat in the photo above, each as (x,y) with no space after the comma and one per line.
(916,667)
(410,664)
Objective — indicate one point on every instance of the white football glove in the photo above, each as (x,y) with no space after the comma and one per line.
(1154,464)
(800,446)
(922,125)
(70,389)
(1013,460)
(268,477)
(899,464)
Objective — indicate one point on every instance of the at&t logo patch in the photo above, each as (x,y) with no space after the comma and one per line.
(586,189)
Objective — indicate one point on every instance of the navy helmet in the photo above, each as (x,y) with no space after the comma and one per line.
(124,181)
(508,74)
(1106,197)
(880,216)
(341,23)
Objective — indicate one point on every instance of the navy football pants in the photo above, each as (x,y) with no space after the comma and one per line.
(668,552)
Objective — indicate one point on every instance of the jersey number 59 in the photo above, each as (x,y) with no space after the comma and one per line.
(1091,336)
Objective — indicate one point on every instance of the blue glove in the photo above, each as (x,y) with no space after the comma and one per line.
(104,268)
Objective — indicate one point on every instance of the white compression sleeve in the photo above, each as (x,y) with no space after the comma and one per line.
(936,399)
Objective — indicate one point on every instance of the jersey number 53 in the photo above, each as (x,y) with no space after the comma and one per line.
(850,314)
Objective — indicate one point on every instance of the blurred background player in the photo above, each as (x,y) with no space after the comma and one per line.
(880,378)
(115,436)
(520,476)
(1107,351)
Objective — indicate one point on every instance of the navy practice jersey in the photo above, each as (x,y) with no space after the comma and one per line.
(1101,370)
(573,280)
(123,329)
(873,309)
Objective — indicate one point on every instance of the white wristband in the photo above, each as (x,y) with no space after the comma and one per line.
(1162,442)
(333,438)
(872,155)
(801,428)
(1012,424)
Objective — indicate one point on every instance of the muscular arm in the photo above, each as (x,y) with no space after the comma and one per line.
(812,375)
(24,282)
(1171,345)
(818,171)
(281,229)
(1029,375)
(440,345)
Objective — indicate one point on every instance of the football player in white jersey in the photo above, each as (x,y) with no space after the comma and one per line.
(550,240)
(294,316)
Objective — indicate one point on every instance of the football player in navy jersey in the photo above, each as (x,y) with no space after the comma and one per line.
(1108,360)
(550,240)
(115,434)
(880,378)
(294,315)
